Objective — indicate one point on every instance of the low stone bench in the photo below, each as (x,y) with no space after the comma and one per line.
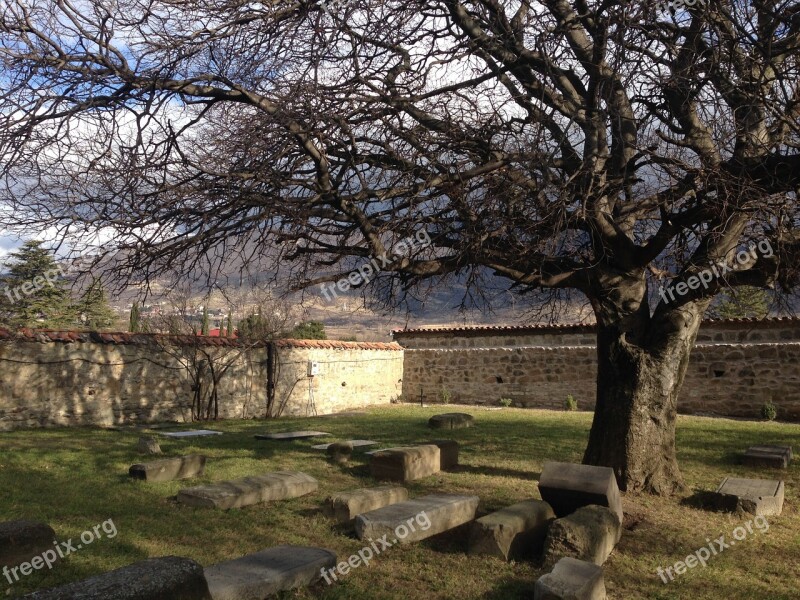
(568,486)
(590,533)
(406,463)
(261,574)
(21,540)
(418,519)
(451,421)
(571,579)
(280,485)
(346,506)
(167,578)
(517,531)
(169,469)
(754,496)
(776,457)
(448,453)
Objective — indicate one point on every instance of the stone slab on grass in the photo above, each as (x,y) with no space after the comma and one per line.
(517,531)
(590,533)
(777,457)
(451,421)
(355,443)
(21,540)
(290,435)
(190,433)
(568,486)
(448,453)
(405,464)
(269,487)
(754,496)
(571,579)
(261,574)
(169,469)
(166,578)
(417,519)
(346,506)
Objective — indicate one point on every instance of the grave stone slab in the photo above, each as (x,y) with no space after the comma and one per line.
(777,457)
(190,433)
(169,469)
(261,574)
(355,443)
(346,506)
(517,531)
(590,533)
(290,435)
(448,453)
(166,578)
(451,421)
(571,579)
(21,540)
(754,496)
(269,487)
(417,519)
(568,486)
(406,464)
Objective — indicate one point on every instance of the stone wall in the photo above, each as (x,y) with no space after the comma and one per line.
(735,367)
(66,378)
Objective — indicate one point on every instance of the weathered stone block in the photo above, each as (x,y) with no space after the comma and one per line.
(346,506)
(261,574)
(451,421)
(777,457)
(590,533)
(406,464)
(571,579)
(448,453)
(339,452)
(148,445)
(418,519)
(21,540)
(169,469)
(517,531)
(754,496)
(568,486)
(167,578)
(280,485)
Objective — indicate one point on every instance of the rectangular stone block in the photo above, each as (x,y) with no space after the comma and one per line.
(166,578)
(21,540)
(755,496)
(777,457)
(568,486)
(590,533)
(169,469)
(418,519)
(406,464)
(571,579)
(280,485)
(448,453)
(262,574)
(346,506)
(517,531)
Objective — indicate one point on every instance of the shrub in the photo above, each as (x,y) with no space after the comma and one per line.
(769,411)
(506,402)
(570,403)
(445,395)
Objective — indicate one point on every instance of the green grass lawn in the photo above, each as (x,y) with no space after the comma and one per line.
(75,479)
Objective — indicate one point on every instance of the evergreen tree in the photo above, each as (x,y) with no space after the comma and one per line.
(742,303)
(35,292)
(205,326)
(230,324)
(135,323)
(93,308)
(308,330)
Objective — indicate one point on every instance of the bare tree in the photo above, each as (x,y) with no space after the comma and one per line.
(597,146)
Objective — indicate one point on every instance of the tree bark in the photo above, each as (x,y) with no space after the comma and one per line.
(639,379)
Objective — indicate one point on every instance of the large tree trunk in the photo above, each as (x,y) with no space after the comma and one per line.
(639,376)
